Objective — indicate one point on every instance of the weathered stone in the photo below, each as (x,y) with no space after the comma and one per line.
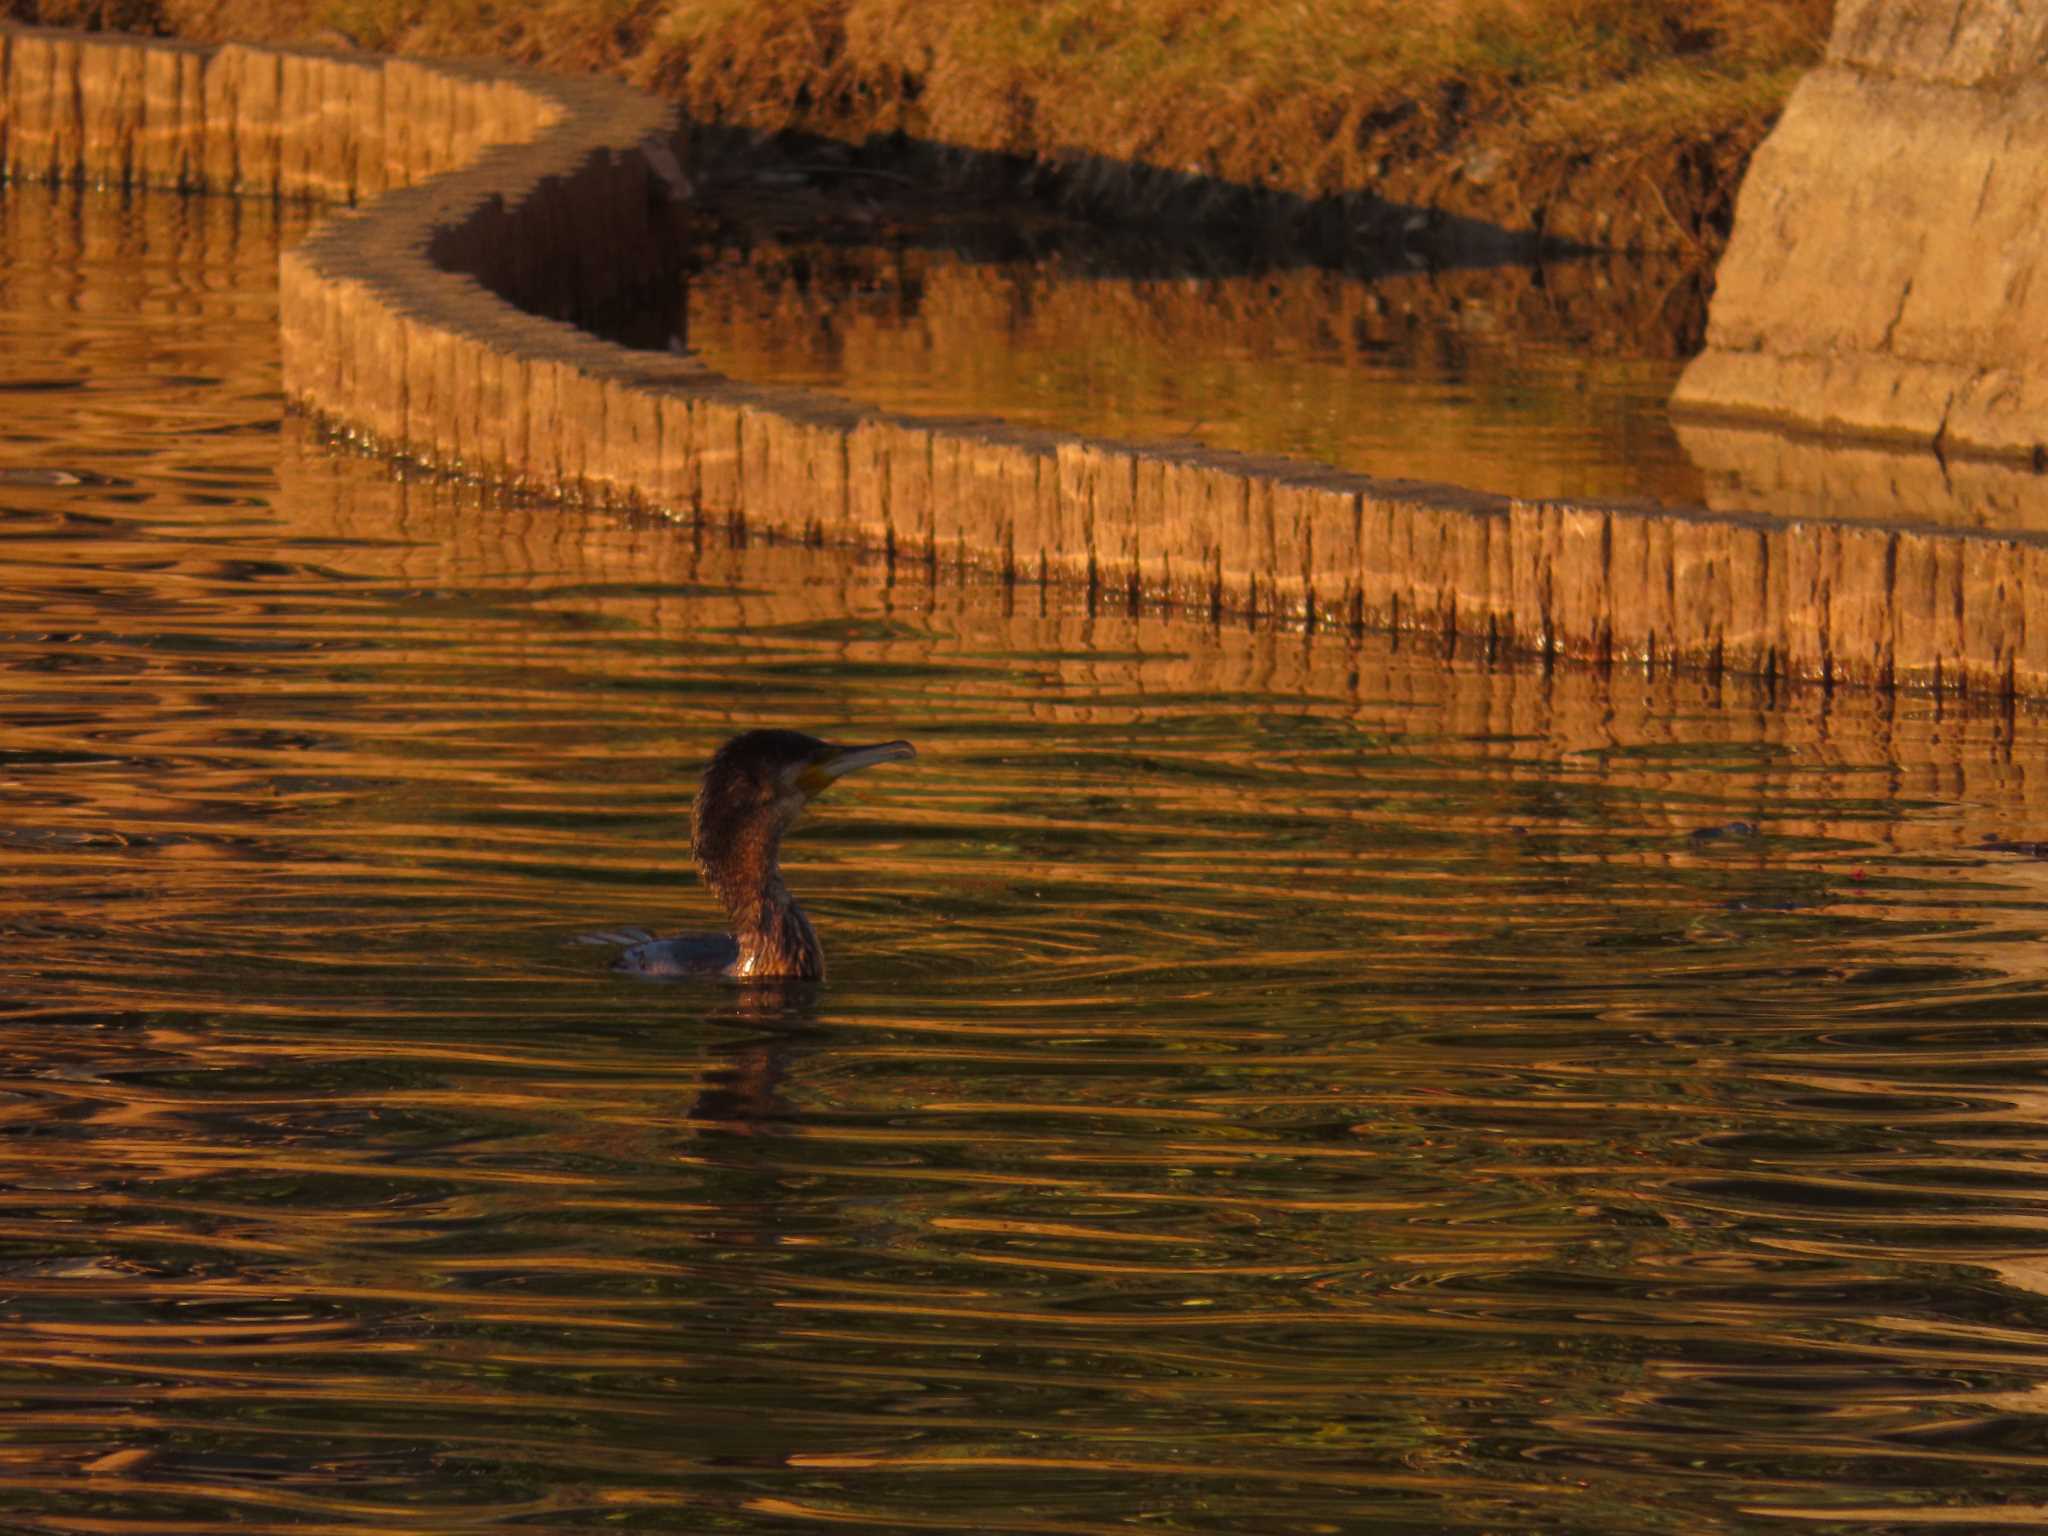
(2030,645)
(43,106)
(173,132)
(259,166)
(110,108)
(1860,612)
(376,392)
(1101,487)
(674,488)
(1315,517)
(715,419)
(1581,603)
(870,450)
(793,472)
(579,439)
(1801,593)
(1883,276)
(1532,530)
(1194,502)
(985,489)
(629,460)
(1993,617)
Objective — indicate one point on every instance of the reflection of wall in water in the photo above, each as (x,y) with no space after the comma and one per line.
(1755,469)
(1039,657)
(1403,373)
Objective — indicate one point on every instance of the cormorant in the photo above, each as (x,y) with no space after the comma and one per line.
(756,787)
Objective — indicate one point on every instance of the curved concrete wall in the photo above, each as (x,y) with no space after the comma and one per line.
(497,186)
(1880,277)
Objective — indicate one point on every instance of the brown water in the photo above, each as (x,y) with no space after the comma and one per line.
(1527,381)
(1265,1085)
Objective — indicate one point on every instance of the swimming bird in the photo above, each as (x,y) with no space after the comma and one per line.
(756,787)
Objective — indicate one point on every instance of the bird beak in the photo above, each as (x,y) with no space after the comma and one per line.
(836,763)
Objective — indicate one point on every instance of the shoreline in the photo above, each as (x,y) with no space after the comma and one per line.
(1528,125)
(401,323)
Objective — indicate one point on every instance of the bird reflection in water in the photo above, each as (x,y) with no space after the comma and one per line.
(743,1096)
(756,787)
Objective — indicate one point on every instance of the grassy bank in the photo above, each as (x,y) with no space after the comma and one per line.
(1616,122)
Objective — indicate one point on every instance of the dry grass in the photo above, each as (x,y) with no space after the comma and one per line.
(1310,97)
(1299,96)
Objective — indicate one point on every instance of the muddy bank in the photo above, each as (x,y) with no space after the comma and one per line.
(1357,125)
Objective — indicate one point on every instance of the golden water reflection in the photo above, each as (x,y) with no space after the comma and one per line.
(1267,1082)
(1527,381)
(1750,468)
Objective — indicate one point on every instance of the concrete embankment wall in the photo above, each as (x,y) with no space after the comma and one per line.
(485,183)
(1888,270)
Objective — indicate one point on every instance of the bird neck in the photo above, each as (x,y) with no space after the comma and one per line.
(775,938)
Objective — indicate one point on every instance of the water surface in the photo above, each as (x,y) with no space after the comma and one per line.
(1536,381)
(1266,1083)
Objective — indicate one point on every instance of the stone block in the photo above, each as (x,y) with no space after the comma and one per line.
(428,387)
(259,105)
(171,142)
(715,432)
(499,450)
(400,78)
(1035,495)
(1582,623)
(675,489)
(300,143)
(1104,513)
(310,339)
(1420,529)
(541,424)
(1532,532)
(631,463)
(1802,591)
(870,446)
(2030,644)
(581,402)
(1749,633)
(1638,571)
(1860,625)
(911,509)
(370,169)
(41,95)
(793,459)
(1246,558)
(1319,514)
(1476,608)
(1993,615)
(110,109)
(994,499)
(1076,464)
(466,350)
(1701,599)
(1380,579)
(379,393)
(1926,609)
(1194,506)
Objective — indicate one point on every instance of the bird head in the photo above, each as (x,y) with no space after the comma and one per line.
(759,783)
